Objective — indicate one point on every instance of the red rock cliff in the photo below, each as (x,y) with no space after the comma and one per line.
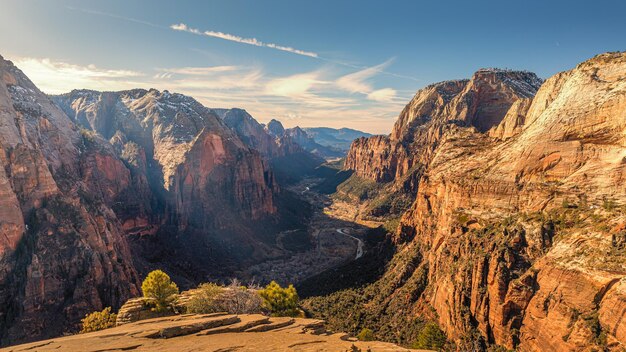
(519,210)
(62,253)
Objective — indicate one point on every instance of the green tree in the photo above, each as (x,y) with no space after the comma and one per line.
(365,335)
(159,287)
(430,337)
(98,320)
(281,302)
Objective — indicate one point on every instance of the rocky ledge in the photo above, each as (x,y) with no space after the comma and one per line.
(212,332)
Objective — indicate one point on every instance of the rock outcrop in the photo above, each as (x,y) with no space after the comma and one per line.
(518,206)
(213,332)
(63,252)
(190,153)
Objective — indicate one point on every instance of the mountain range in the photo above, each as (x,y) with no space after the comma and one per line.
(496,207)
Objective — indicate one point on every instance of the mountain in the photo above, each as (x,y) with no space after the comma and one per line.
(339,139)
(514,233)
(63,250)
(98,188)
(200,185)
(289,160)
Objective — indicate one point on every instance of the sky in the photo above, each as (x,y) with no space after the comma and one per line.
(315,63)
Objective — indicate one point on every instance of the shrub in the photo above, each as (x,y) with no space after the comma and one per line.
(365,335)
(98,321)
(159,287)
(281,302)
(239,299)
(430,337)
(205,300)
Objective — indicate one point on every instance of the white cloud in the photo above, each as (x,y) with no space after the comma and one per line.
(357,82)
(235,38)
(198,70)
(294,86)
(385,95)
(59,77)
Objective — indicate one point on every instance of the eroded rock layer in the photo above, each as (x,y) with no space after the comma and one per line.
(111,185)
(62,251)
(518,216)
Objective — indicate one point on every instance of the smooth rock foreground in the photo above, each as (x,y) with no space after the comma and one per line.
(211,332)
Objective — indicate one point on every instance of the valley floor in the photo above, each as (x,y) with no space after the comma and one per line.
(336,240)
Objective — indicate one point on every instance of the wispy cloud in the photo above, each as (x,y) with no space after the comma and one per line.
(383,95)
(358,82)
(298,85)
(198,70)
(235,38)
(250,41)
(165,73)
(60,77)
(112,15)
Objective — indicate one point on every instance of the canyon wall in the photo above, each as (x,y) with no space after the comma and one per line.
(518,217)
(98,188)
(62,251)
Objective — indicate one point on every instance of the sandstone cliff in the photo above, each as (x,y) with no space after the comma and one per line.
(518,213)
(112,185)
(62,251)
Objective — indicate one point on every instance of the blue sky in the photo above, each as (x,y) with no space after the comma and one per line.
(308,63)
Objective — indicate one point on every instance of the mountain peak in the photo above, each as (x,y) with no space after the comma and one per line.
(275,128)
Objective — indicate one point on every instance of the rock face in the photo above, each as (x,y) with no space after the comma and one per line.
(271,143)
(63,252)
(518,209)
(190,153)
(275,128)
(111,185)
(191,175)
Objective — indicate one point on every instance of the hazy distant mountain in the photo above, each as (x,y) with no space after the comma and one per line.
(289,160)
(339,139)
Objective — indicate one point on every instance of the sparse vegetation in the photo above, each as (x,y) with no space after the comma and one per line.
(158,287)
(359,188)
(376,305)
(234,298)
(98,321)
(280,301)
(206,299)
(240,299)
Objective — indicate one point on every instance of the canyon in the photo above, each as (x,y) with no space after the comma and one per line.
(514,233)
(99,188)
(494,208)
